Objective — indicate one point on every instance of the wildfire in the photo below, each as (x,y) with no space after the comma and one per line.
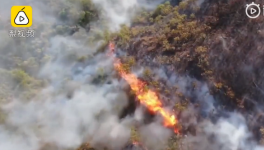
(148,98)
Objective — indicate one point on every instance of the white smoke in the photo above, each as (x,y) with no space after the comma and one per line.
(117,11)
(229,133)
(71,110)
(154,136)
(91,114)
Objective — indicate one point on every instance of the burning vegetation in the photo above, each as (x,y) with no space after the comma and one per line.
(199,61)
(200,41)
(147,97)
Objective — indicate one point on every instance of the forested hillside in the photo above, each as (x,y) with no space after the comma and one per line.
(61,91)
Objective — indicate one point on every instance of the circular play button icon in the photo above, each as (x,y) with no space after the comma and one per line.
(253,10)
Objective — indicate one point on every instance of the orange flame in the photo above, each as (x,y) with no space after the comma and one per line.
(148,98)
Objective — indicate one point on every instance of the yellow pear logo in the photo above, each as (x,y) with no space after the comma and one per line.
(21,16)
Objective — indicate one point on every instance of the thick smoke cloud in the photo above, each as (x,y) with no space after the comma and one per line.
(155,136)
(91,114)
(120,12)
(117,11)
(213,129)
(71,109)
(81,101)
(229,133)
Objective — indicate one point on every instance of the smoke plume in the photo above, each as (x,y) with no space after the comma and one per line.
(80,102)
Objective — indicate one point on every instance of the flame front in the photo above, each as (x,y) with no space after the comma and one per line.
(146,97)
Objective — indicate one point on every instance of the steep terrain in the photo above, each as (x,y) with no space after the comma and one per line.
(203,60)
(214,42)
